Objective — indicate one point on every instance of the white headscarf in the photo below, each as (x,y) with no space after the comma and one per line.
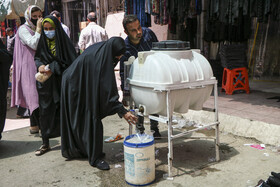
(27,16)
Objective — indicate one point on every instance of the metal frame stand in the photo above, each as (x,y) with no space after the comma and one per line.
(168,120)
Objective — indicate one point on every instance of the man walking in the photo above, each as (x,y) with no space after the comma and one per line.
(92,34)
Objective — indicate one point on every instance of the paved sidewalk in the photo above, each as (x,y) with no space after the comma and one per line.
(193,161)
(248,115)
(254,106)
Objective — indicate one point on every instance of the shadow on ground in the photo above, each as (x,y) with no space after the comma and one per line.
(10,148)
(191,157)
(17,142)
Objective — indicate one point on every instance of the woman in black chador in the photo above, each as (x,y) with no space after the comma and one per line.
(89,94)
(6,60)
(56,50)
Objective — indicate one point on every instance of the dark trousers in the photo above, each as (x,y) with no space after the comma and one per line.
(4,78)
(3,111)
(34,118)
(22,112)
(46,141)
(154,124)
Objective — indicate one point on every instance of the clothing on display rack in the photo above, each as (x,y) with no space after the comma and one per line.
(138,8)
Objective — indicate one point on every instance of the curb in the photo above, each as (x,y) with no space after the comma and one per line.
(264,132)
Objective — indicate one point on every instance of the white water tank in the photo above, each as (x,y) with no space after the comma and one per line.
(170,67)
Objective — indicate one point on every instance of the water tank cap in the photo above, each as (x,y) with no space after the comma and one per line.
(171,45)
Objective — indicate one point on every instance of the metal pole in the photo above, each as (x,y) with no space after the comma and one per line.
(202,27)
(98,15)
(130,130)
(84,7)
(170,133)
(217,140)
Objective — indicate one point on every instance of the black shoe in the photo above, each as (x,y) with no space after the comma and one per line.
(154,127)
(103,155)
(101,164)
(157,134)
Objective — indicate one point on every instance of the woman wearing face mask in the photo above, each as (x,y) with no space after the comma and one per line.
(56,51)
(24,91)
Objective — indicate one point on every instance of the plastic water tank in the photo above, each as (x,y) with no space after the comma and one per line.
(170,66)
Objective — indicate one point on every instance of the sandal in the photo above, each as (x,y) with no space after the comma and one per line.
(113,139)
(42,150)
(34,130)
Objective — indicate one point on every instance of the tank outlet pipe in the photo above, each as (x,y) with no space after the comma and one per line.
(139,128)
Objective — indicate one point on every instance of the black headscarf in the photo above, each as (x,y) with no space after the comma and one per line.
(65,51)
(89,93)
(65,55)
(95,68)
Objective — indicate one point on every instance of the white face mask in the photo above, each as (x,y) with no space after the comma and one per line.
(50,34)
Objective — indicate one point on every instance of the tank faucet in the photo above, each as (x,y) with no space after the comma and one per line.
(140,122)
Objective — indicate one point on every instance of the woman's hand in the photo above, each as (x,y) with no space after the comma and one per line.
(130,118)
(42,69)
(39,25)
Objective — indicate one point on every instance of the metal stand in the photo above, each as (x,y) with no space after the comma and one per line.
(131,106)
(168,118)
(168,121)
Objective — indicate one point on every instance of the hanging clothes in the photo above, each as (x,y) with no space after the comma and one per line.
(198,6)
(188,30)
(148,6)
(155,7)
(162,17)
(261,9)
(228,20)
(275,10)
(173,10)
(137,7)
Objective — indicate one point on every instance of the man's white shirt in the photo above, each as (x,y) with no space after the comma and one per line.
(92,34)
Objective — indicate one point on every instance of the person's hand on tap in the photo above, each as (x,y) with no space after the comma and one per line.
(130,118)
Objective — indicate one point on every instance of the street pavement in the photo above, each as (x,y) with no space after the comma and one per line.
(194,163)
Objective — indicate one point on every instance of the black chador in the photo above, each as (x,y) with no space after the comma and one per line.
(5,63)
(89,94)
(58,53)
